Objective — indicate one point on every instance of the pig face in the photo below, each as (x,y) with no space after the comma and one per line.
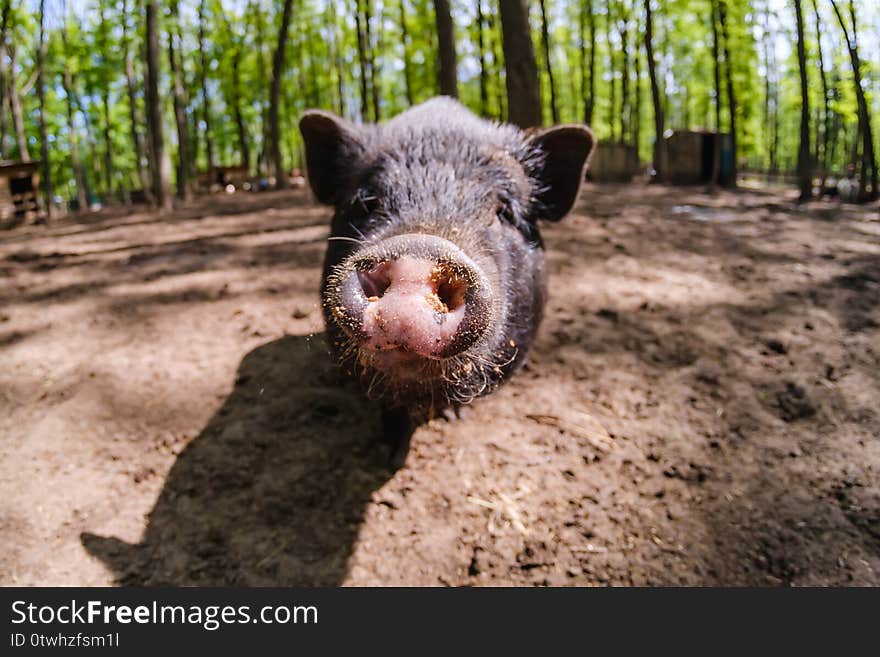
(434,280)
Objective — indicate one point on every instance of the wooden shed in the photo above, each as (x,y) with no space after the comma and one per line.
(699,157)
(613,162)
(221,176)
(19,192)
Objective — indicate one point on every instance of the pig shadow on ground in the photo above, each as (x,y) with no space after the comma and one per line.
(273,490)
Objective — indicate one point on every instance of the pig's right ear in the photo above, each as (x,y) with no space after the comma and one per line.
(566,149)
(332,143)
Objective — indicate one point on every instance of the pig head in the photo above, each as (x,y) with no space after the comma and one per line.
(434,280)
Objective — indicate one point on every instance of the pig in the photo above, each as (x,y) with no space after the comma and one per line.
(434,280)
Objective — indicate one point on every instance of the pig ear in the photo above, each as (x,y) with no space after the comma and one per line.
(332,144)
(566,150)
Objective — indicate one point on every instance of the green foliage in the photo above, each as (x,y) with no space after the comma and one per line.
(323,71)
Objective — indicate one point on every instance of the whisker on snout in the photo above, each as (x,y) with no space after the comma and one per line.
(339,238)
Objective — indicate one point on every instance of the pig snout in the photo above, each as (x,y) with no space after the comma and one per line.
(412,296)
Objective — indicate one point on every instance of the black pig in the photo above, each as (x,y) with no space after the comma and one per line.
(434,280)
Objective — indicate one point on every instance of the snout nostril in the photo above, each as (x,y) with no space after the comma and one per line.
(450,286)
(375,281)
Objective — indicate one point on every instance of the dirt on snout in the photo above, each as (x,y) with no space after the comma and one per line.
(702,406)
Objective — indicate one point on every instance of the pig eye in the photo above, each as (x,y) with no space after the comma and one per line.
(363,205)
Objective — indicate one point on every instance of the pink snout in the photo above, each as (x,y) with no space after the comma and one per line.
(413,297)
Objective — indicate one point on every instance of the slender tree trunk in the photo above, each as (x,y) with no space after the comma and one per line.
(659,141)
(731,95)
(772,98)
(105,103)
(154,108)
(625,107)
(822,154)
(869,160)
(203,79)
(636,123)
(582,54)
(495,47)
(82,192)
(372,48)
(44,138)
(362,60)
(765,45)
(588,70)
(447,71)
(255,10)
(337,58)
(136,141)
(548,64)
(612,107)
(244,149)
(314,91)
(275,96)
(404,42)
(716,60)
(17,113)
(523,86)
(805,174)
(5,10)
(484,73)
(834,119)
(181,102)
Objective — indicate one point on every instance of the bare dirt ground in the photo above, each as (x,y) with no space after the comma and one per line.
(702,407)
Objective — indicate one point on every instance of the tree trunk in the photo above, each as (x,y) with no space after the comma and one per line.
(362,61)
(612,106)
(275,96)
(834,119)
(206,99)
(869,160)
(523,87)
(105,103)
(766,45)
(716,60)
(822,153)
(447,71)
(588,71)
(17,113)
(495,47)
(244,150)
(337,58)
(804,168)
(134,121)
(404,42)
(181,101)
(636,122)
(82,192)
(44,138)
(154,109)
(731,95)
(5,10)
(625,107)
(254,9)
(371,62)
(659,141)
(548,64)
(484,73)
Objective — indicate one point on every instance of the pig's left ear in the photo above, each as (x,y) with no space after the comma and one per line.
(332,146)
(566,150)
